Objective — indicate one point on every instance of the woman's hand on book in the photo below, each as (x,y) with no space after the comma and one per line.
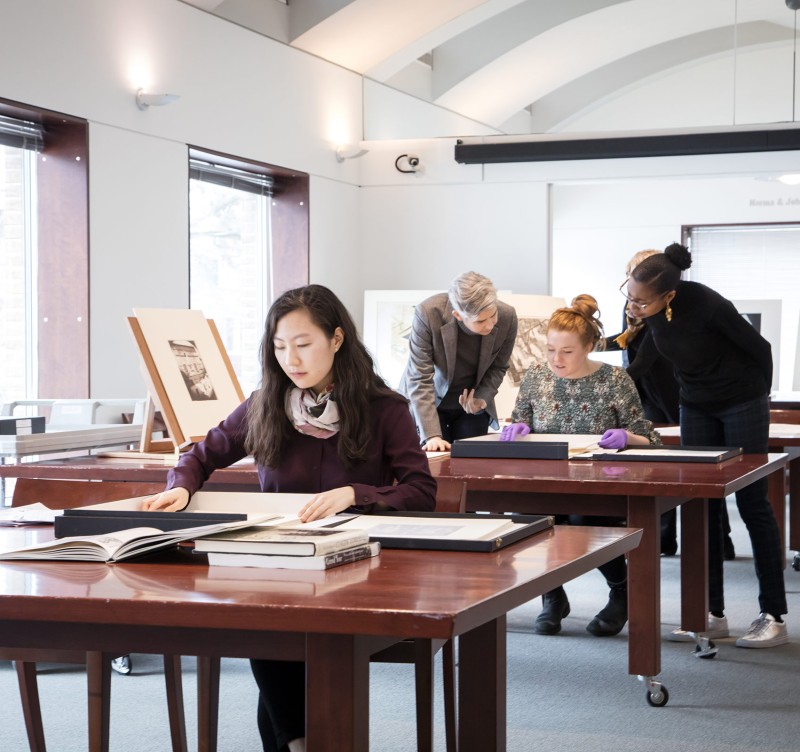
(167,501)
(436,444)
(328,503)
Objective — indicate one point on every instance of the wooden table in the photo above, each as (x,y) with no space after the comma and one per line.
(783,437)
(176,604)
(638,491)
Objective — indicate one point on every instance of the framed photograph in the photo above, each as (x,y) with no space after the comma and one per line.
(387,327)
(533,313)
(190,377)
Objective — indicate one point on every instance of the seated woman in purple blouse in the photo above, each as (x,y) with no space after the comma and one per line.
(323,423)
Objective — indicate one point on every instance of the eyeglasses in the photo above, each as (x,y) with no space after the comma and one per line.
(636,303)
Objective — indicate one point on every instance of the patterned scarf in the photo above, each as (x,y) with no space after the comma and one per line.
(634,327)
(313,415)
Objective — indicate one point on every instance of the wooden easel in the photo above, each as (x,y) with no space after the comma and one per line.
(158,399)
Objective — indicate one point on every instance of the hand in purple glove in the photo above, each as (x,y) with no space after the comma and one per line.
(510,432)
(614,438)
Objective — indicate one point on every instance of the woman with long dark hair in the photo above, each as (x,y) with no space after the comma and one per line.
(322,423)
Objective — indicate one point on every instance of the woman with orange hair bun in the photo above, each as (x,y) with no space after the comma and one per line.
(571,393)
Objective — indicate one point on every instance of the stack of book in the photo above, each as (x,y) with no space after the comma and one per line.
(287,547)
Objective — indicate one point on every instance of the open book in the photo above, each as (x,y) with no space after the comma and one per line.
(124,544)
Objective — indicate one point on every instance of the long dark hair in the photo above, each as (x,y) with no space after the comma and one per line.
(354,378)
(662,271)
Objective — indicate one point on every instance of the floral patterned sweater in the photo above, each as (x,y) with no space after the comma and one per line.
(592,404)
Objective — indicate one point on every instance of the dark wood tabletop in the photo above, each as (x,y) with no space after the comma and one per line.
(638,492)
(175,603)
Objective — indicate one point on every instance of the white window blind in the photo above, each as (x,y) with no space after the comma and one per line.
(756,263)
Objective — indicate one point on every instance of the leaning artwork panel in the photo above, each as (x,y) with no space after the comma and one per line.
(189,372)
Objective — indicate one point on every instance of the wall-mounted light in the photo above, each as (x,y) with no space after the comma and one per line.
(350,151)
(408,163)
(145,99)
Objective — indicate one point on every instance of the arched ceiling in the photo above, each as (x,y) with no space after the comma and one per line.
(491,60)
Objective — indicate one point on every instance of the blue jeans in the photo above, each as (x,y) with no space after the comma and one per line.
(745,425)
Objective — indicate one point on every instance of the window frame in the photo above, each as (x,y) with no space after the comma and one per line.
(62,266)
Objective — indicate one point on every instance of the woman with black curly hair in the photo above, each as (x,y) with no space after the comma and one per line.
(724,369)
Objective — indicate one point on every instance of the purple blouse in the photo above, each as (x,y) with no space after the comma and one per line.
(394,475)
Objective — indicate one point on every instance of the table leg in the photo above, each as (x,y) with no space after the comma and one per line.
(482,688)
(694,565)
(776,491)
(337,666)
(794,502)
(208,677)
(98,672)
(644,589)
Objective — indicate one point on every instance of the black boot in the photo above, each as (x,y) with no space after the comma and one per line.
(614,614)
(555,608)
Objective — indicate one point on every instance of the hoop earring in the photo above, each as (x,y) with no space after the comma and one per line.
(668,312)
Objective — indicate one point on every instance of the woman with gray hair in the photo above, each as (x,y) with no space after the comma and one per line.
(459,349)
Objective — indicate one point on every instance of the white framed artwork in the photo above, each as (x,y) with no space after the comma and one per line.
(387,327)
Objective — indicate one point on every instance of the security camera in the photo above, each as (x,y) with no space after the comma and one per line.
(408,163)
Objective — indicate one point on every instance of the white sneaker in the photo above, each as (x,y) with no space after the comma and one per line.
(764,632)
(717,629)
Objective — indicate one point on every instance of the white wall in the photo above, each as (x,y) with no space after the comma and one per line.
(241,93)
(597,228)
(138,250)
(371,226)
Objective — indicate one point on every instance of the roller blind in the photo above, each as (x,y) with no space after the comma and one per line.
(22,134)
(230,177)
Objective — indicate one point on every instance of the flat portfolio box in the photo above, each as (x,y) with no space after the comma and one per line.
(205,508)
(534,446)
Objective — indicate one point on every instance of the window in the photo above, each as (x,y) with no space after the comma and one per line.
(248,242)
(19,142)
(758,268)
(44,254)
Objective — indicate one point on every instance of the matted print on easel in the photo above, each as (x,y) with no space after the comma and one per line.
(190,376)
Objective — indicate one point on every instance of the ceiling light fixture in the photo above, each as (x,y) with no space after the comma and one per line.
(145,100)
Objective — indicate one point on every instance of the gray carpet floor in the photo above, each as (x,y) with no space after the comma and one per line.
(567,692)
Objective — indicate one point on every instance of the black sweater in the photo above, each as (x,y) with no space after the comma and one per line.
(720,359)
(656,382)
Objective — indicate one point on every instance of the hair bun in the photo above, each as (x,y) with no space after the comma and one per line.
(679,255)
(586,306)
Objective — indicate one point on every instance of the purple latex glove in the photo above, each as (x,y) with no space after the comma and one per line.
(614,438)
(510,432)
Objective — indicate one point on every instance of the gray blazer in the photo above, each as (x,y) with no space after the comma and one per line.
(432,359)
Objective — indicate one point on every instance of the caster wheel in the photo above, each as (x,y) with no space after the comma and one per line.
(122,665)
(707,654)
(659,698)
(796,563)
